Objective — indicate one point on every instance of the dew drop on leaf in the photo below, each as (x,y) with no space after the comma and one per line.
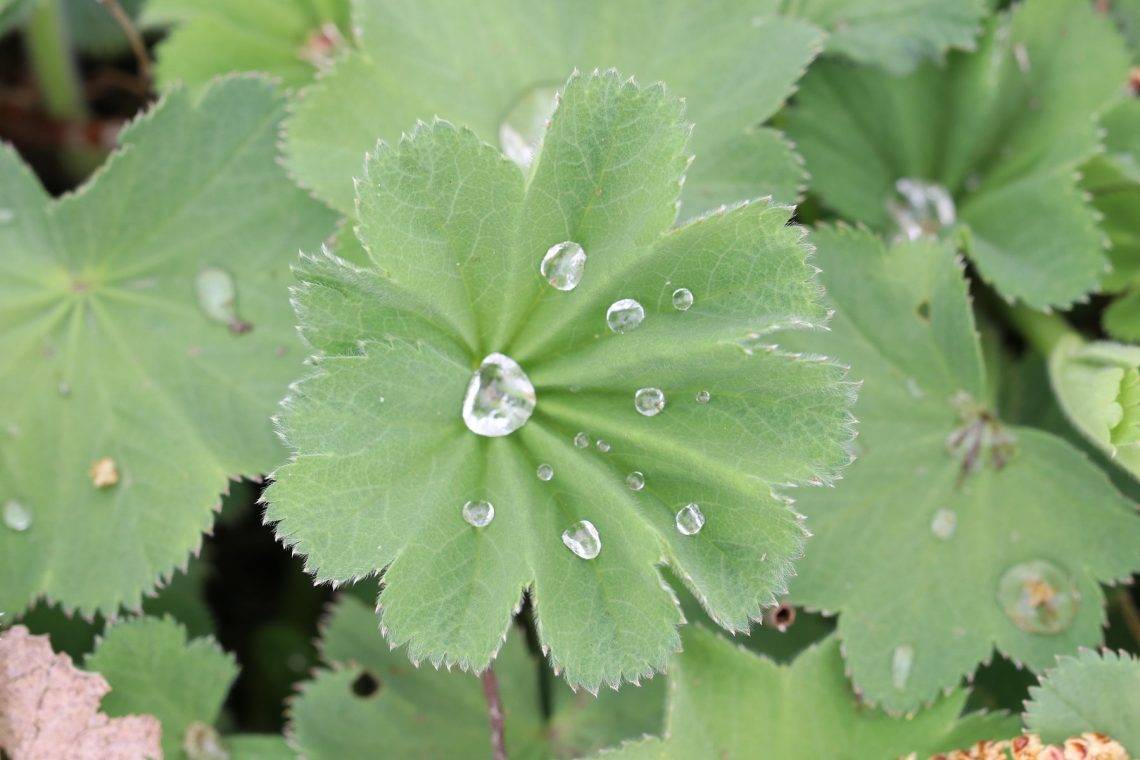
(922,209)
(624,315)
(944,524)
(635,480)
(479,513)
(500,397)
(703,397)
(1038,596)
(582,539)
(902,661)
(6,216)
(545,472)
(582,441)
(603,446)
(682,299)
(563,265)
(649,401)
(217,297)
(524,124)
(17,516)
(690,520)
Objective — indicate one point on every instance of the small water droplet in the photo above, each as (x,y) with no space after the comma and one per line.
(217,297)
(924,210)
(521,129)
(582,539)
(545,472)
(479,513)
(500,397)
(649,401)
(902,662)
(913,388)
(603,446)
(1039,597)
(703,397)
(6,215)
(944,524)
(624,315)
(64,390)
(104,473)
(690,520)
(582,441)
(635,480)
(563,265)
(682,299)
(17,516)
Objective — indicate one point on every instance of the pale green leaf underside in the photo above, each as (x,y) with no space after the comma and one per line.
(1003,130)
(905,322)
(725,701)
(1088,692)
(425,713)
(471,63)
(278,37)
(153,669)
(384,461)
(105,352)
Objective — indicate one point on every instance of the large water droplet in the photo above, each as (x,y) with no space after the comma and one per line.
(635,480)
(582,539)
(522,128)
(479,513)
(624,315)
(944,524)
(682,299)
(545,472)
(17,516)
(703,397)
(649,401)
(217,297)
(500,397)
(563,265)
(603,446)
(902,662)
(1038,596)
(690,520)
(922,210)
(582,441)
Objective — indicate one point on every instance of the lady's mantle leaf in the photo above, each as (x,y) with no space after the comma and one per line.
(372,698)
(953,533)
(385,463)
(1089,692)
(1002,130)
(133,386)
(291,39)
(725,701)
(151,667)
(494,66)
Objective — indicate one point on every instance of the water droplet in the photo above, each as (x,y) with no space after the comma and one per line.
(703,397)
(217,297)
(901,664)
(563,265)
(582,539)
(624,315)
(913,388)
(690,520)
(17,516)
(924,210)
(1038,596)
(635,480)
(64,390)
(6,215)
(582,441)
(682,299)
(603,446)
(479,513)
(104,473)
(649,401)
(500,397)
(944,524)
(545,472)
(521,130)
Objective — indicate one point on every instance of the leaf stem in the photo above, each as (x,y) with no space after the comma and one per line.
(52,60)
(1040,330)
(138,45)
(494,713)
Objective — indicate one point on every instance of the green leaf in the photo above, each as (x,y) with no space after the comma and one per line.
(127,407)
(290,39)
(371,698)
(725,701)
(1088,692)
(152,668)
(384,462)
(1122,137)
(936,538)
(92,28)
(420,59)
(897,35)
(1003,131)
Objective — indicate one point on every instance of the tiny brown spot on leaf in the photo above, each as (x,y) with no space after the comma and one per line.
(104,473)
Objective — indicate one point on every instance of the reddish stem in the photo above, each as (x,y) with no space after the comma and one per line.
(494,713)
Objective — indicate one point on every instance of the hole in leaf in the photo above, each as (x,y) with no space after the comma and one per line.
(923,311)
(366,685)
